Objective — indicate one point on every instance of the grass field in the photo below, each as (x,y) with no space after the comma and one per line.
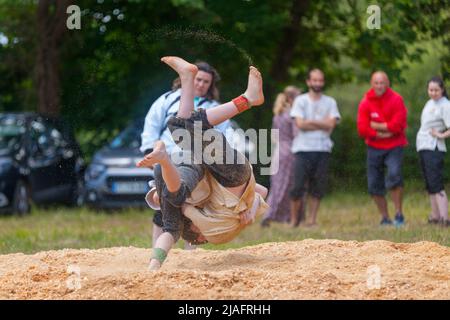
(345,216)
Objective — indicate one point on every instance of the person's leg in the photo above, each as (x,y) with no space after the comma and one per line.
(162,246)
(209,148)
(442,202)
(313,204)
(318,183)
(228,166)
(424,157)
(382,206)
(156,232)
(437,183)
(157,224)
(172,192)
(301,215)
(171,224)
(394,180)
(435,213)
(174,226)
(236,176)
(298,190)
(187,72)
(295,206)
(253,93)
(397,199)
(169,171)
(375,181)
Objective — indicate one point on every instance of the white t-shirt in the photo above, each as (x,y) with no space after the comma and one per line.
(435,115)
(307,109)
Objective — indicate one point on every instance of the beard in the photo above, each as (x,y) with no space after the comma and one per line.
(316,89)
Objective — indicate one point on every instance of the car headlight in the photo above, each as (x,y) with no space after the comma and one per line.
(95,170)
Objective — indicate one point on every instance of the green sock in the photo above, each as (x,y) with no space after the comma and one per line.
(159,254)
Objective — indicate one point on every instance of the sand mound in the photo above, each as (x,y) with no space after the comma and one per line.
(309,269)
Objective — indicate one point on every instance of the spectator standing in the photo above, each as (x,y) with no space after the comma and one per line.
(382,121)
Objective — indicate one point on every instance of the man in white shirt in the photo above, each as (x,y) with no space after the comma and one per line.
(316,115)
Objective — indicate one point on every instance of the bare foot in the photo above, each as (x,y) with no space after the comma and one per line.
(181,66)
(254,92)
(159,155)
(294,224)
(311,224)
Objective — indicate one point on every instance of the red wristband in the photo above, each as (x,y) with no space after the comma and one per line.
(241,103)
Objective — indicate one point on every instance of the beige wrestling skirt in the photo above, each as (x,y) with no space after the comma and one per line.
(215,211)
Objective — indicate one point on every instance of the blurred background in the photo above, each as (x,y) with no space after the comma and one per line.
(107,73)
(103,77)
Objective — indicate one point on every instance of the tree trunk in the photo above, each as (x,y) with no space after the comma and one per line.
(51,18)
(285,52)
(283,58)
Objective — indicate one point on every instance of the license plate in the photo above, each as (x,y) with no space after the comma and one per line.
(129,187)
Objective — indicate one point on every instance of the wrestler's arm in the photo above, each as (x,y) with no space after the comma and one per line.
(261,190)
(248,217)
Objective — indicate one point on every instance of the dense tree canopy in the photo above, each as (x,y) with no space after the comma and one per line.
(108,72)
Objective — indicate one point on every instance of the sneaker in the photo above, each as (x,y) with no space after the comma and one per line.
(399,219)
(386,222)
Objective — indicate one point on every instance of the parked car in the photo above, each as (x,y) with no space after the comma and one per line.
(40,161)
(113,181)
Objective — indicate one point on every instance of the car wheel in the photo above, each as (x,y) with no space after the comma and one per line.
(21,201)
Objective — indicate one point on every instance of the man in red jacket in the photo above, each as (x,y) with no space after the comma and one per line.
(382,123)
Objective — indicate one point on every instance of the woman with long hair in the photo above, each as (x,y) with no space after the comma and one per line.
(282,173)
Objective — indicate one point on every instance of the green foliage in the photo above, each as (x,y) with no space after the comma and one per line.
(17,87)
(196,4)
(111,73)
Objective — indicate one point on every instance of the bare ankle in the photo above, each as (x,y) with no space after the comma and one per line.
(154,264)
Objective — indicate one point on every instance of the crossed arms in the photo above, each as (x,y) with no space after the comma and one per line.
(327,124)
(382,129)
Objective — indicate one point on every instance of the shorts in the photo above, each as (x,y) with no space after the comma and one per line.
(310,173)
(432,163)
(377,161)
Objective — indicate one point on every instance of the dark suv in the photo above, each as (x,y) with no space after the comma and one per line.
(39,161)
